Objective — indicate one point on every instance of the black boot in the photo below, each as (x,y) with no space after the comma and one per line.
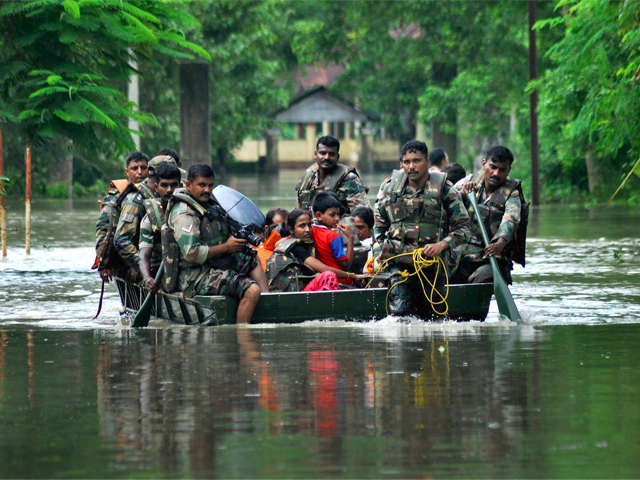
(399,298)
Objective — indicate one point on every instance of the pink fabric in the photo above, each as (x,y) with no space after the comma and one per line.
(324,281)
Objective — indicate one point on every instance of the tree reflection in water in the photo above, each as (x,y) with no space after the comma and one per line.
(205,399)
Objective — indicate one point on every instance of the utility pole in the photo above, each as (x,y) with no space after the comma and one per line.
(3,211)
(533,108)
(27,204)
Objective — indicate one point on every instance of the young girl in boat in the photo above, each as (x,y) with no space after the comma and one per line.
(293,267)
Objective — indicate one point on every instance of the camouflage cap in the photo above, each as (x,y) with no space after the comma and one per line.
(155,161)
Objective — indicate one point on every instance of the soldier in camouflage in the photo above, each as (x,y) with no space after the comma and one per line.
(128,231)
(168,178)
(209,260)
(108,262)
(416,209)
(500,201)
(328,175)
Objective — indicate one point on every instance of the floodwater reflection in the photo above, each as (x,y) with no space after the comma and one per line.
(332,405)
(556,397)
(354,401)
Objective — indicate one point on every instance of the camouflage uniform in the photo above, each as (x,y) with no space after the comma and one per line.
(285,273)
(194,228)
(150,229)
(102,226)
(343,180)
(407,220)
(106,255)
(128,231)
(501,213)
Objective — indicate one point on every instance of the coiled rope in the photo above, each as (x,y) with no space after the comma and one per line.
(419,264)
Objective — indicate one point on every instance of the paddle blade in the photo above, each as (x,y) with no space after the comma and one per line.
(144,314)
(506,304)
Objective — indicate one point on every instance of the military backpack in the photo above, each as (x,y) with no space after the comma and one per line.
(306,192)
(284,272)
(106,255)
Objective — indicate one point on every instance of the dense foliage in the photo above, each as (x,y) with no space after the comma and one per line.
(250,65)
(458,68)
(64,65)
(590,97)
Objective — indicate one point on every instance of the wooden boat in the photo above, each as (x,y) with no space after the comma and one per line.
(466,302)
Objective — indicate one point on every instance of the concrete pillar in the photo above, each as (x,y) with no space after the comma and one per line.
(347,130)
(195,121)
(272,165)
(312,133)
(325,129)
(357,128)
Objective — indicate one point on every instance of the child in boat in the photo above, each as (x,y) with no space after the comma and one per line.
(293,267)
(363,220)
(275,217)
(329,244)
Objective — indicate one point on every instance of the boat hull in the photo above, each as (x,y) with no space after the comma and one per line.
(466,302)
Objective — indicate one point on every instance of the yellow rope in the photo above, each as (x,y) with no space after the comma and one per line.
(420,263)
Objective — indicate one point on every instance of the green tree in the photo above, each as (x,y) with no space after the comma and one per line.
(376,42)
(460,67)
(590,98)
(251,69)
(3,186)
(63,66)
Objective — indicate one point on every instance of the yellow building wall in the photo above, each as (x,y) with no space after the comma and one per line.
(296,150)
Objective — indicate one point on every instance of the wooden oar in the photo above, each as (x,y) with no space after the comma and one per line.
(506,305)
(143,315)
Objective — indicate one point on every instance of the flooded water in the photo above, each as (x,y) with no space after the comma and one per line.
(555,397)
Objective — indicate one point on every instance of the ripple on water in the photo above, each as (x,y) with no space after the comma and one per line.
(565,282)
(54,288)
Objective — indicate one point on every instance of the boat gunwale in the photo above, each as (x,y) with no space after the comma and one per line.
(218,307)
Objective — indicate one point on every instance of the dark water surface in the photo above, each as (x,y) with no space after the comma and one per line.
(555,397)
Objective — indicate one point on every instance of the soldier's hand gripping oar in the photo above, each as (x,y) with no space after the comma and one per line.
(143,315)
(506,305)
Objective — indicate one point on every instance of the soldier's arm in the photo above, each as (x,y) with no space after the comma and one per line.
(510,219)
(355,191)
(101,227)
(125,238)
(146,248)
(380,217)
(103,223)
(186,229)
(465,185)
(457,216)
